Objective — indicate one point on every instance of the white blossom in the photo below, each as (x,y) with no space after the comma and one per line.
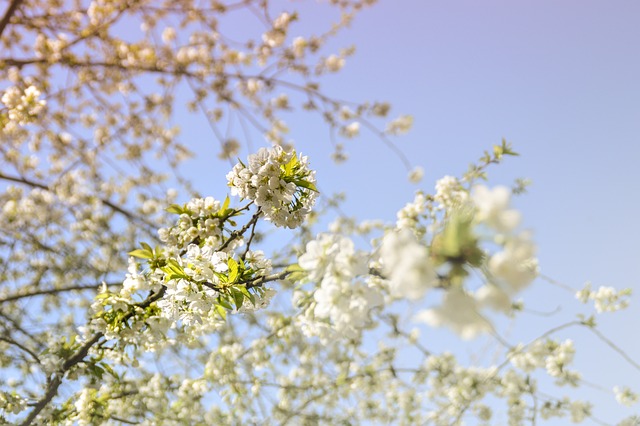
(625,396)
(280,183)
(407,265)
(400,125)
(449,193)
(516,265)
(493,208)
(458,311)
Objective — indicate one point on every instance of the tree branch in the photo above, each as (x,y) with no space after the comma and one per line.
(21,346)
(54,382)
(105,202)
(44,291)
(8,14)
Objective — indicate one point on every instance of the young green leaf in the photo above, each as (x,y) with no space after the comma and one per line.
(233,270)
(175,208)
(142,254)
(238,297)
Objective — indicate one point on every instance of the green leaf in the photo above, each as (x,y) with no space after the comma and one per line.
(222,301)
(247,294)
(142,254)
(221,311)
(175,208)
(233,270)
(96,371)
(296,273)
(498,151)
(109,369)
(305,184)
(457,243)
(291,165)
(238,297)
(174,270)
(252,299)
(226,203)
(507,148)
(243,290)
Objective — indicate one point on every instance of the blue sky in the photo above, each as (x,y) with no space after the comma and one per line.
(558,79)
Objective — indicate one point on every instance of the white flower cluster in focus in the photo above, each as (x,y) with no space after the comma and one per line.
(279,182)
(198,219)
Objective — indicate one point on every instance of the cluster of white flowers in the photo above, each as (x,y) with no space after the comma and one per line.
(199,273)
(334,63)
(351,130)
(99,10)
(298,46)
(455,389)
(515,266)
(409,215)
(190,300)
(85,407)
(22,105)
(279,182)
(492,208)
(342,296)
(51,361)
(449,193)
(606,299)
(278,33)
(411,270)
(578,411)
(12,403)
(630,421)
(198,220)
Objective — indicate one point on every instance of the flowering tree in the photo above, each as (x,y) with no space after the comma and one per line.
(120,305)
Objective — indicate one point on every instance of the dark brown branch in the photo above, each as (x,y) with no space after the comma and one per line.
(8,14)
(257,282)
(236,234)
